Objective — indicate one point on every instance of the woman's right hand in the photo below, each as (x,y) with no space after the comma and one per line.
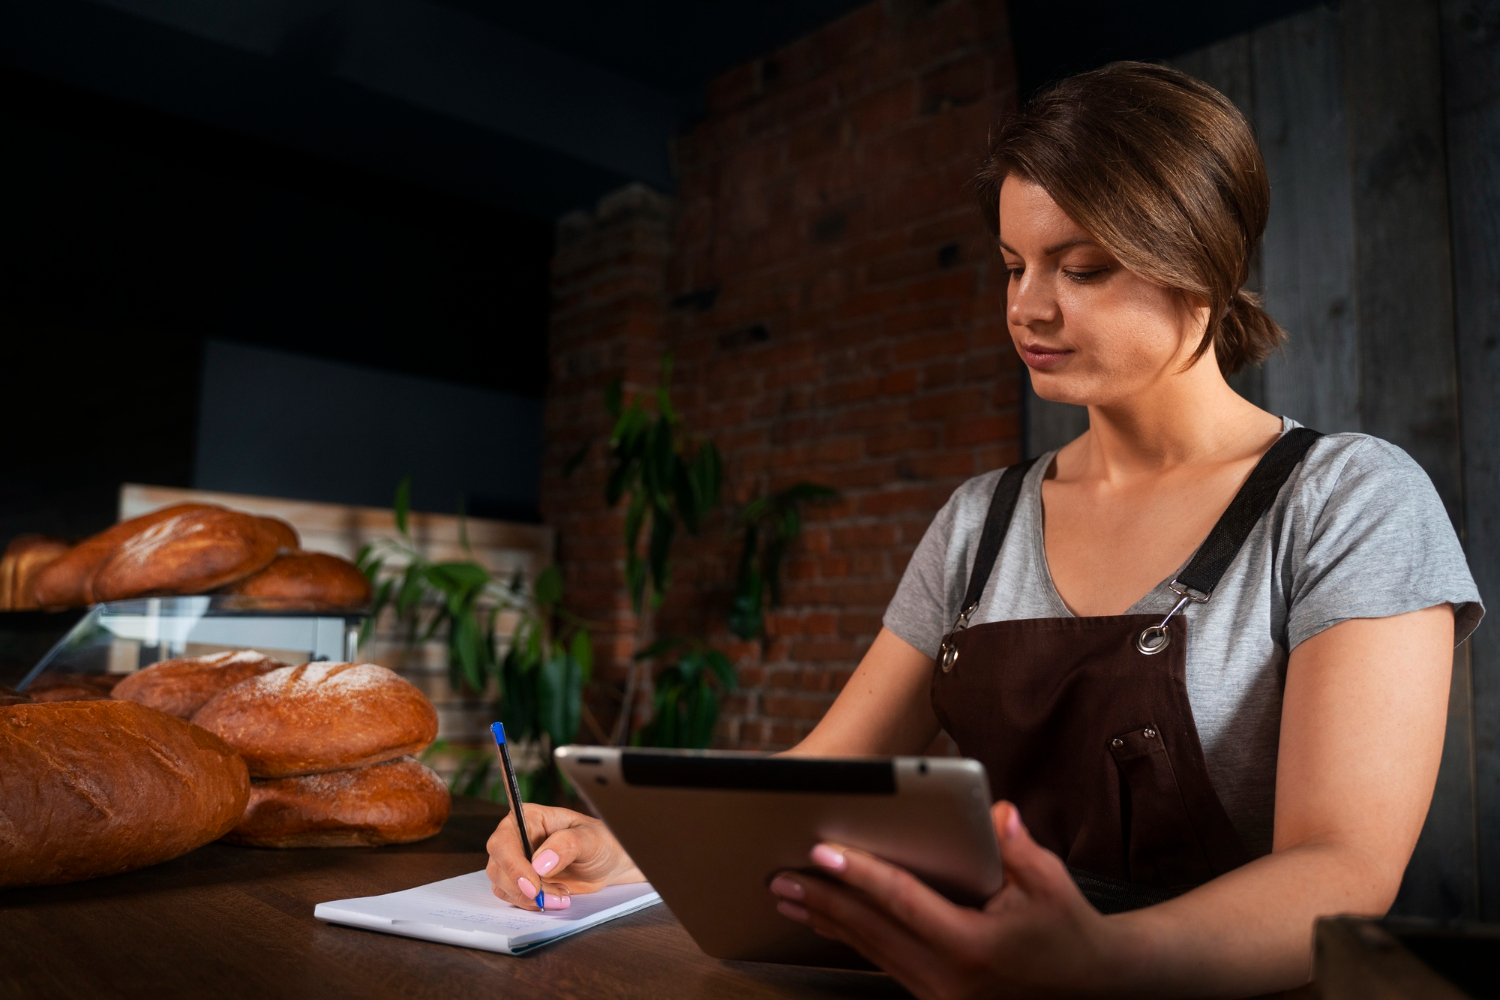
(574,853)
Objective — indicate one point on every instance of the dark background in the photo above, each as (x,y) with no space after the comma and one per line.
(160,189)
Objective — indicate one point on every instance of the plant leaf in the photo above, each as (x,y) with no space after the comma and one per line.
(549,586)
(663,527)
(722,668)
(702,717)
(581,648)
(576,459)
(403,504)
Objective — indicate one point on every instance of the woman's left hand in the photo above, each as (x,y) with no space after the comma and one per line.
(1037,936)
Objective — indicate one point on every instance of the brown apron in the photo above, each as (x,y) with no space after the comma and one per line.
(1084,723)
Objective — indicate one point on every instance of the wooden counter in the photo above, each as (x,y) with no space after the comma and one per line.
(229,922)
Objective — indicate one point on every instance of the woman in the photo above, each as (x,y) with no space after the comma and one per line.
(1188,778)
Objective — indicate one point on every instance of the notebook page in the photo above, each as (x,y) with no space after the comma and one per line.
(465,911)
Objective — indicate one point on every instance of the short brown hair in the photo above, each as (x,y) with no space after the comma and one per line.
(1163,171)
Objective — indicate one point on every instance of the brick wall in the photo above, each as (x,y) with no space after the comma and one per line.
(828,292)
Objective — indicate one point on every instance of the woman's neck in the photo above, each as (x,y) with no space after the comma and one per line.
(1185,419)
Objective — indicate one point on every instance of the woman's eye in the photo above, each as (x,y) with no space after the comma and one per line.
(1014,272)
(1081,276)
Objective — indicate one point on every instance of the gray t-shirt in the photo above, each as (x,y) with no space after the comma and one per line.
(1357,532)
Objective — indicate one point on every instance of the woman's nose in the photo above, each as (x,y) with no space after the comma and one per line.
(1031,301)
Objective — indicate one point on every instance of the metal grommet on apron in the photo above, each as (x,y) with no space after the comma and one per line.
(1085,724)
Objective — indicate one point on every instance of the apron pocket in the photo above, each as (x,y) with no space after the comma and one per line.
(1162,848)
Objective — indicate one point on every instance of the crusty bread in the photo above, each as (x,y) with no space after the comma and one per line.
(25,557)
(191,553)
(286,535)
(181,687)
(63,685)
(66,581)
(392,803)
(99,787)
(312,580)
(320,717)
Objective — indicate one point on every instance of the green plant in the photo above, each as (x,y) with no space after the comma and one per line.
(770,524)
(665,479)
(686,702)
(537,682)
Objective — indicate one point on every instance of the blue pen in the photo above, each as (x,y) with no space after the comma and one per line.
(514,788)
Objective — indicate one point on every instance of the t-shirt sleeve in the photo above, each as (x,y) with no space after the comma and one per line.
(1381,545)
(919,611)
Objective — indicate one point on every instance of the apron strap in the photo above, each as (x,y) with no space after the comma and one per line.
(996,525)
(1213,557)
(1206,568)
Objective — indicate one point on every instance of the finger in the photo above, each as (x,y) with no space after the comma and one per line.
(558,852)
(1029,866)
(899,893)
(513,876)
(843,914)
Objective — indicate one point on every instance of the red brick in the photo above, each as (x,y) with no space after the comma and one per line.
(884,374)
(981,430)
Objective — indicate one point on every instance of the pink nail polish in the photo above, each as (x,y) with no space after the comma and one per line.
(786,888)
(552,901)
(1013,824)
(789,909)
(829,858)
(544,862)
(527,889)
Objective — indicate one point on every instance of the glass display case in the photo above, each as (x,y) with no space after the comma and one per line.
(121,637)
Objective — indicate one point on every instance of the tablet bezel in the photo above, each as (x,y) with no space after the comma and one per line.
(711,828)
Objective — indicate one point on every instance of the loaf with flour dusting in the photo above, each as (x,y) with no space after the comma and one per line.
(320,717)
(192,553)
(397,802)
(91,788)
(181,687)
(67,581)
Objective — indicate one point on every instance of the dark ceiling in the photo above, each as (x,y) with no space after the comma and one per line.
(536,108)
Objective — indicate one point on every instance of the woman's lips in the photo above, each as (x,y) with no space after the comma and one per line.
(1037,356)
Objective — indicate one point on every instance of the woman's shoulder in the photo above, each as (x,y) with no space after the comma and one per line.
(1349,467)
(970,503)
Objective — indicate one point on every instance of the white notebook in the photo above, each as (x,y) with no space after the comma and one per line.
(464,911)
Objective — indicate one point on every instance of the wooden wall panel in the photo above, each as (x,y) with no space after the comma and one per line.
(1470,33)
(1408,382)
(1307,257)
(1227,67)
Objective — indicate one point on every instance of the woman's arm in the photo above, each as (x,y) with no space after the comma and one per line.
(1361,734)
(884,709)
(1362,724)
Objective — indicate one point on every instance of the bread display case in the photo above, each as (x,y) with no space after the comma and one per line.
(120,637)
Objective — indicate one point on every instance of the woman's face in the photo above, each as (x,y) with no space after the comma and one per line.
(1091,332)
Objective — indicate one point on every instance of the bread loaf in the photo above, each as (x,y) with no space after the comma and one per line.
(286,535)
(94,788)
(65,582)
(181,687)
(191,553)
(10,696)
(397,802)
(311,580)
(25,557)
(63,685)
(320,717)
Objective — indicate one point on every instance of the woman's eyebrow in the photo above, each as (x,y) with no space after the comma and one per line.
(1053,250)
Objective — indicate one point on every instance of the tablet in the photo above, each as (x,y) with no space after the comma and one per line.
(711,828)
